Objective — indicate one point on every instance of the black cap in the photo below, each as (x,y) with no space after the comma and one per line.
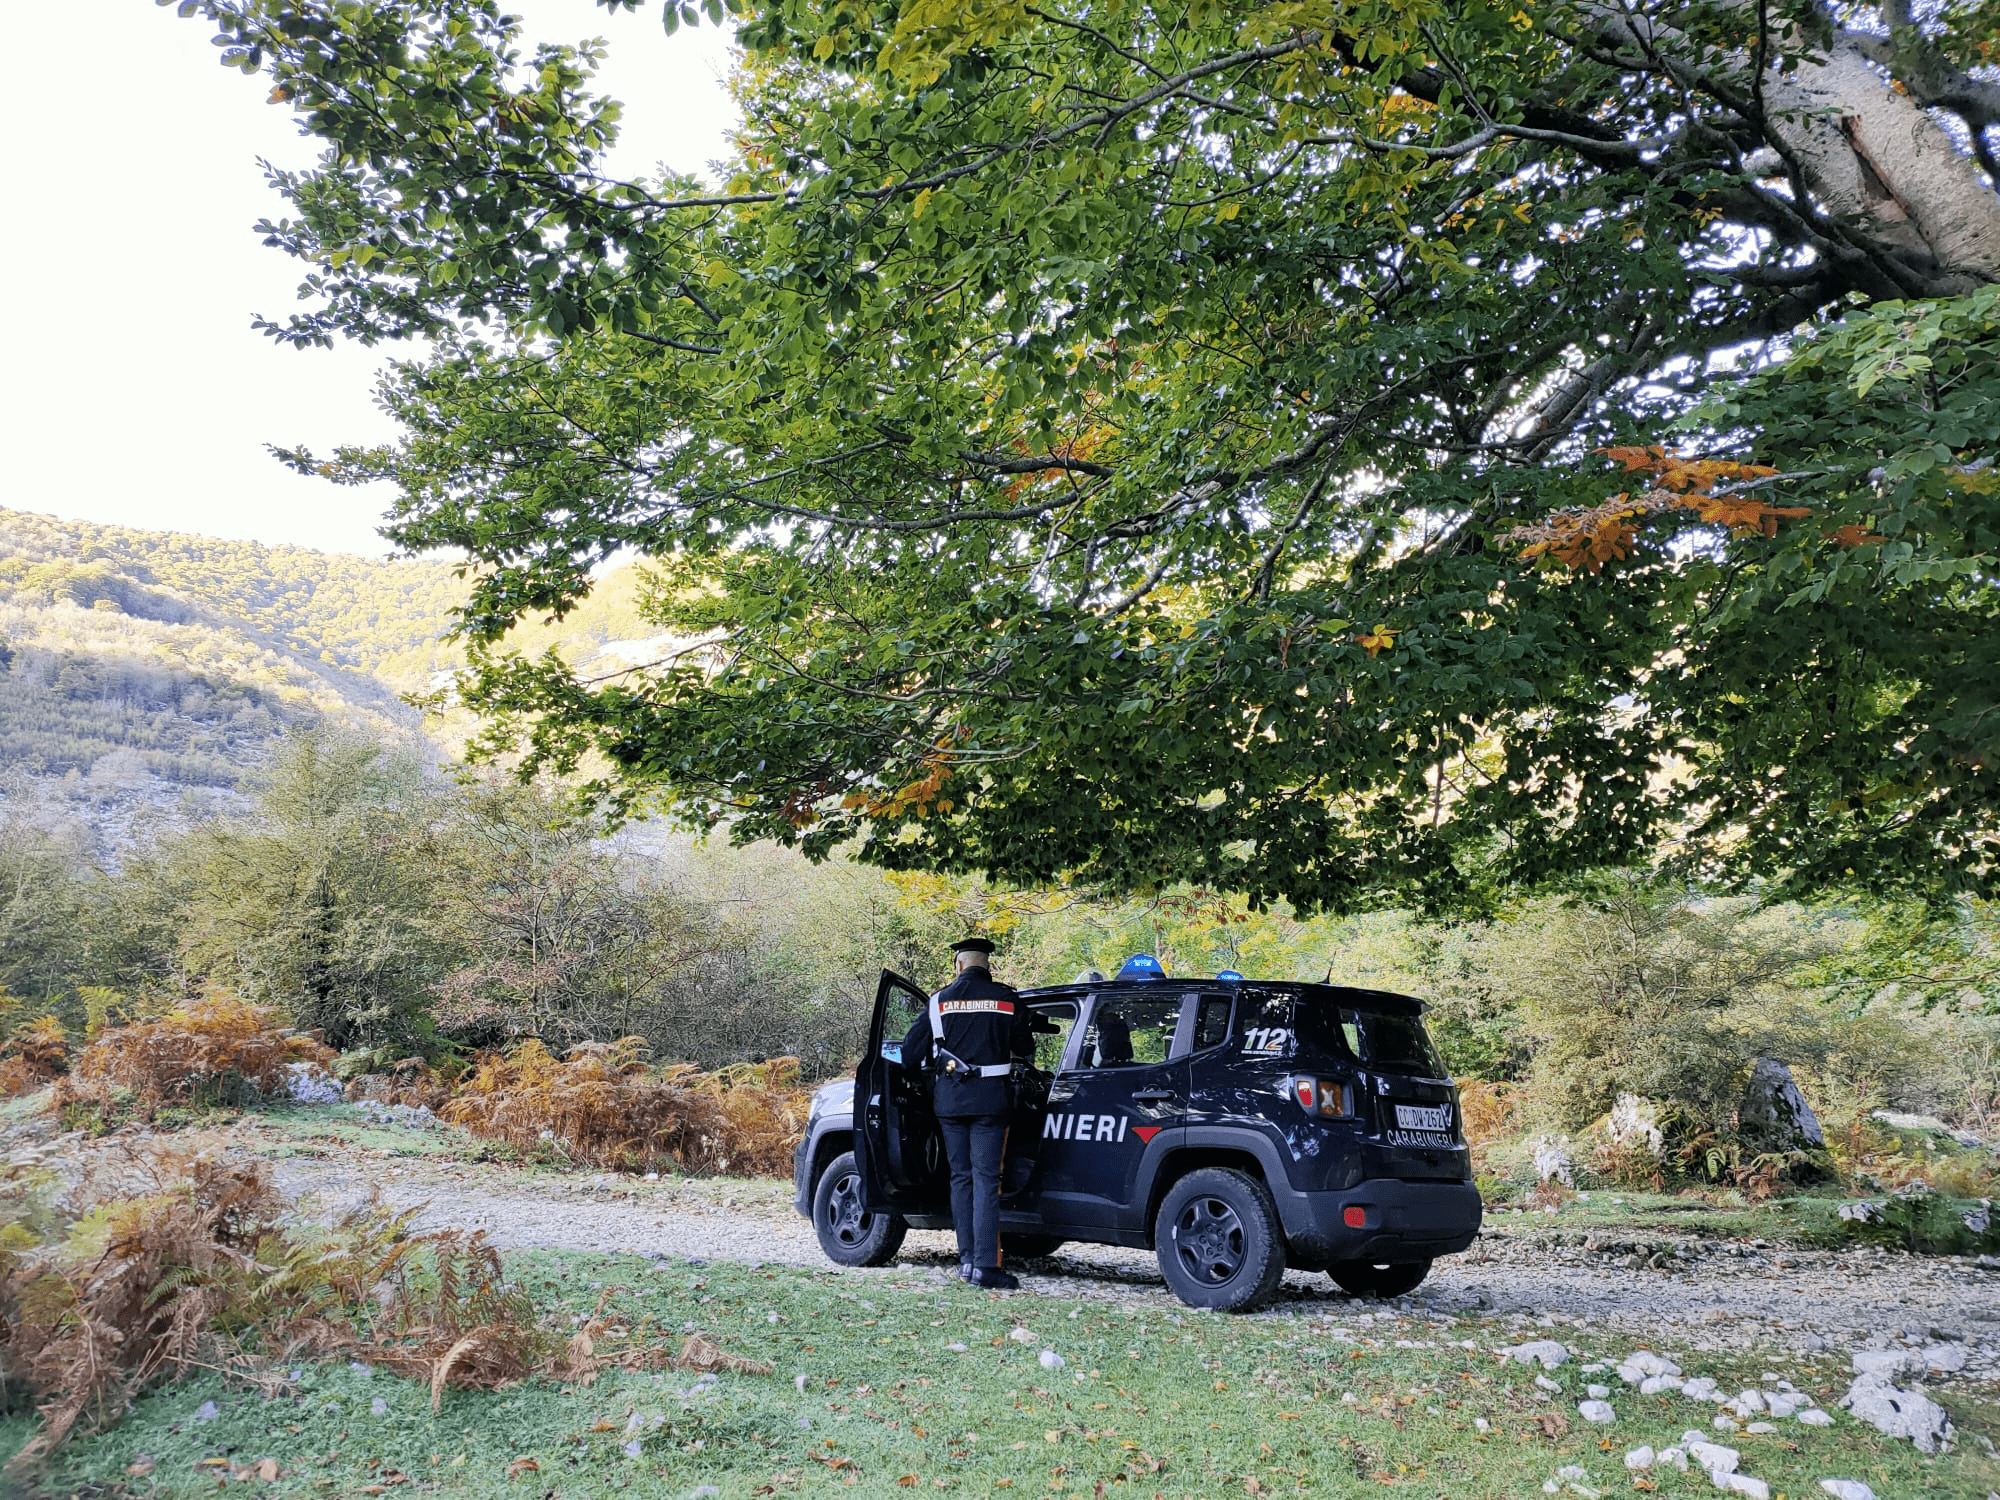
(973,945)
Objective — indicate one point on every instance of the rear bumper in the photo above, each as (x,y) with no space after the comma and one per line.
(1399,1221)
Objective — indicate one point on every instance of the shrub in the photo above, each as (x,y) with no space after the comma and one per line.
(217,1050)
(38,1053)
(601,1104)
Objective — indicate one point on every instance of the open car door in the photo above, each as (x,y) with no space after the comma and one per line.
(896,1140)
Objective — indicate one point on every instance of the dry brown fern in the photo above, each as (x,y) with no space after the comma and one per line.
(36,1054)
(601,1105)
(217,1049)
(208,1268)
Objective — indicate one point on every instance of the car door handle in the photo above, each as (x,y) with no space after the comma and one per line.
(1152,1096)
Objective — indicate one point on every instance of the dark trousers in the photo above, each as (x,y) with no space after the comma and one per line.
(973,1145)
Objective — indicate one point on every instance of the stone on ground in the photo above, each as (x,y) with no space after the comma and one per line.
(1899,1413)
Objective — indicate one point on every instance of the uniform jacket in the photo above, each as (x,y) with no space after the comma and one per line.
(984,1023)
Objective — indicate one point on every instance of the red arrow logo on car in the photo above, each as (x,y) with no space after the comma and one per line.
(1147,1132)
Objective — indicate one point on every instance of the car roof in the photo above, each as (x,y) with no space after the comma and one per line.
(1342,996)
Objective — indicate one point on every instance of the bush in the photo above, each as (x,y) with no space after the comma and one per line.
(215,1051)
(601,1104)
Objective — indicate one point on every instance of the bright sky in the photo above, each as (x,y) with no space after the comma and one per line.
(137,392)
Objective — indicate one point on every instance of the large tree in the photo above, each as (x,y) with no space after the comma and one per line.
(1136,443)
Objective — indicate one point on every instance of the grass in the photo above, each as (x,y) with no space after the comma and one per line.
(334,1129)
(1805,1220)
(1149,1402)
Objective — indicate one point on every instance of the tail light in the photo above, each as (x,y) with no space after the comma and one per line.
(1330,1098)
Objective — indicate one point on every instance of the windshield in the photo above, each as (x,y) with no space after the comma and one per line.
(1373,1037)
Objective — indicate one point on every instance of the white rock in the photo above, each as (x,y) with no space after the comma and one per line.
(1784,1403)
(1675,1458)
(1640,1457)
(1762,1427)
(1052,1360)
(1725,1424)
(956,1348)
(1747,1402)
(1847,1489)
(1023,1336)
(1646,1362)
(1812,1416)
(1552,1159)
(378,1407)
(1545,1352)
(799,1384)
(1597,1392)
(1899,1413)
(1479,1423)
(1702,1389)
(208,1411)
(1741,1484)
(1546,1384)
(1946,1359)
(1652,1385)
(1713,1457)
(633,1448)
(1888,1363)
(1596,1411)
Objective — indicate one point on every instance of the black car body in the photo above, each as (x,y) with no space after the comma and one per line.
(1232,1126)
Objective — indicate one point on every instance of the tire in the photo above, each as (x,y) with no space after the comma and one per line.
(1218,1240)
(1367,1278)
(847,1235)
(1029,1246)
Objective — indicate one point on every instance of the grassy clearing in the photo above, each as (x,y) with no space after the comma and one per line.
(1149,1402)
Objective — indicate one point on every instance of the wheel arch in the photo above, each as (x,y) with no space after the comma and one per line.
(1213,1146)
(828,1144)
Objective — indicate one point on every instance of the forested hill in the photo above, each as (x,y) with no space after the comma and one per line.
(137,667)
(141,661)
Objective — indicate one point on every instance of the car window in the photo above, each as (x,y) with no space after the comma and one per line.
(1378,1038)
(1053,1024)
(1389,1041)
(1211,1022)
(1131,1030)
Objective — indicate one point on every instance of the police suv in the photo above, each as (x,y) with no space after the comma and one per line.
(1234,1127)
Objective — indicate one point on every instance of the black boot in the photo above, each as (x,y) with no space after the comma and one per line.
(965,1268)
(995,1279)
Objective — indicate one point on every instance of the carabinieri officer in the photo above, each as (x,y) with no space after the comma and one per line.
(970,1037)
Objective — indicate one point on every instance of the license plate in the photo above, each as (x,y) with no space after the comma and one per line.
(1423,1117)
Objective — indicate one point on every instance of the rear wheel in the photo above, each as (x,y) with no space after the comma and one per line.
(1218,1240)
(1365,1278)
(849,1235)
(1028,1246)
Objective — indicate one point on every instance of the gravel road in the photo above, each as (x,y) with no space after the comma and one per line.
(1684,1293)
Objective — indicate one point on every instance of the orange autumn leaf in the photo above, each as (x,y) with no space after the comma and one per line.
(1374,642)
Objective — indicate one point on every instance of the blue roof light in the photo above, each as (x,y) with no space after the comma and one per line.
(1142,966)
(1229,974)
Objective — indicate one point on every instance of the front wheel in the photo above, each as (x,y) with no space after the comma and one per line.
(849,1235)
(1218,1240)
(1363,1278)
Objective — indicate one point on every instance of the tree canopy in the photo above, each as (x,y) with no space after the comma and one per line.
(1340,450)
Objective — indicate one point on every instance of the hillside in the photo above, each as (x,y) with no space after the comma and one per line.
(149,673)
(153,671)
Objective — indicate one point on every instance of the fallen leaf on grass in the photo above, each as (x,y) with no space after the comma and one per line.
(907,1480)
(267,1470)
(1553,1424)
(600,1425)
(141,1466)
(522,1466)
